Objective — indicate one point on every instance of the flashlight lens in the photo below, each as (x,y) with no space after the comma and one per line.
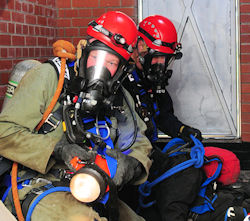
(85,187)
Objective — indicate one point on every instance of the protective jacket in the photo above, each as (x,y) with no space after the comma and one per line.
(20,143)
(153,108)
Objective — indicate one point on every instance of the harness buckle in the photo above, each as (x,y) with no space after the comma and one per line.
(52,121)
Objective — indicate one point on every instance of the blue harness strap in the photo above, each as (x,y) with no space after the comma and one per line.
(207,204)
(104,132)
(197,160)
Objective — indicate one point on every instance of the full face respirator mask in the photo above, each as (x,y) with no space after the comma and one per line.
(99,71)
(157,70)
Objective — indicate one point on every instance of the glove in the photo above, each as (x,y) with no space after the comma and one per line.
(66,152)
(186,131)
(128,168)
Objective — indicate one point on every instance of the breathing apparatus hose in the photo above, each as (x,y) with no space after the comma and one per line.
(41,196)
(64,50)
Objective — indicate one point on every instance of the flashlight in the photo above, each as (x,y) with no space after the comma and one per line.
(89,183)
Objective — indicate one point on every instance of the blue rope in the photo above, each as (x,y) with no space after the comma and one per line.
(197,160)
(40,197)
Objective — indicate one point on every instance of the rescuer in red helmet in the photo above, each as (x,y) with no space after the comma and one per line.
(157,49)
(97,116)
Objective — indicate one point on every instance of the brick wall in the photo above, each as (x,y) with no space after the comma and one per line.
(245,68)
(27,30)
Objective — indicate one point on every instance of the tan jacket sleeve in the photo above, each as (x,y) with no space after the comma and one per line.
(20,116)
(142,147)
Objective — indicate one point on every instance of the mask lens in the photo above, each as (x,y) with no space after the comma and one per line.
(101,59)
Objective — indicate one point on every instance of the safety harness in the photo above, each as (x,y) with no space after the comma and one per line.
(147,110)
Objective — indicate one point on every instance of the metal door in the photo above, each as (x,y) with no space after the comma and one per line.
(204,85)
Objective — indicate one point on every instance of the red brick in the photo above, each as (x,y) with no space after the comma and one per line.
(31,9)
(245,58)
(98,11)
(18,29)
(48,12)
(51,22)
(63,22)
(76,40)
(80,22)
(244,18)
(71,13)
(41,21)
(50,3)
(18,6)
(31,19)
(71,32)
(3,4)
(245,127)
(244,68)
(245,137)
(85,3)
(25,29)
(18,40)
(245,88)
(31,30)
(42,2)
(42,41)
(25,7)
(244,38)
(244,48)
(4,78)
(31,52)
(25,52)
(11,4)
(37,30)
(19,52)
(11,28)
(5,64)
(245,108)
(244,29)
(11,53)
(245,117)
(109,3)
(31,41)
(85,13)
(37,52)
(132,3)
(244,1)
(2,91)
(5,40)
(4,53)
(245,9)
(43,51)
(18,17)
(245,98)
(3,27)
(63,4)
(83,32)
(4,15)
(60,32)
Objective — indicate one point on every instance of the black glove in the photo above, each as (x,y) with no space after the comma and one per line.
(66,152)
(186,131)
(128,168)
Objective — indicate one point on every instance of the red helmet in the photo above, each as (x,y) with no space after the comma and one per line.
(230,165)
(116,30)
(159,34)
